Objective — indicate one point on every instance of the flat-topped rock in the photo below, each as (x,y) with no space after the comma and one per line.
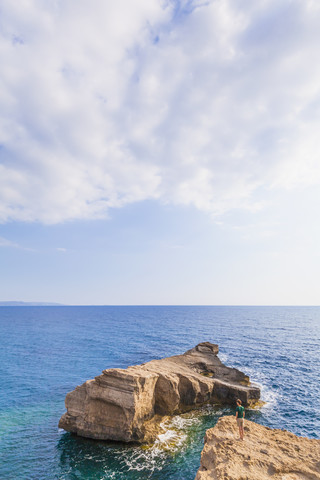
(265,454)
(128,404)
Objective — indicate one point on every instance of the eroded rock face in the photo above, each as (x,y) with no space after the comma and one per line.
(265,454)
(127,404)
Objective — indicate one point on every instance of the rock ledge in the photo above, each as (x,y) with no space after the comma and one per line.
(265,454)
(128,404)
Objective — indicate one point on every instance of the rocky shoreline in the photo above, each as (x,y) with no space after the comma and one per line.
(265,454)
(128,405)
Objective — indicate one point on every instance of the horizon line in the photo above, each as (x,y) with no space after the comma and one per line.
(17,303)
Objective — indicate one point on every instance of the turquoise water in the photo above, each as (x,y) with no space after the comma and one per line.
(46,351)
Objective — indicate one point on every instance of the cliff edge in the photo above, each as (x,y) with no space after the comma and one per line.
(265,454)
(128,404)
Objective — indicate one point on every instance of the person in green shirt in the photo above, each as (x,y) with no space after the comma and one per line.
(240,417)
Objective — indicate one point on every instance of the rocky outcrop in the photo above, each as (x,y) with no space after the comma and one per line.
(265,454)
(127,405)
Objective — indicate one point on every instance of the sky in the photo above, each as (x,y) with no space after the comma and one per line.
(160,152)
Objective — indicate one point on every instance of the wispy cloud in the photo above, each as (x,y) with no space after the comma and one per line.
(112,103)
(4,242)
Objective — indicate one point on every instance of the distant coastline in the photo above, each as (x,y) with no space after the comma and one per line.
(30,304)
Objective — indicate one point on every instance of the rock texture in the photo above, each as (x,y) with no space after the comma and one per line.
(265,454)
(127,405)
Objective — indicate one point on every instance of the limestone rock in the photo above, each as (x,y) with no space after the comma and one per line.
(265,454)
(128,404)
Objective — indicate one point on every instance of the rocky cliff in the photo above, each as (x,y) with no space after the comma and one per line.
(265,454)
(127,405)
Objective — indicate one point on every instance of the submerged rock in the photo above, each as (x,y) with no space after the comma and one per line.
(128,404)
(264,454)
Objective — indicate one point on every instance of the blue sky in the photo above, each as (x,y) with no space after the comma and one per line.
(160,152)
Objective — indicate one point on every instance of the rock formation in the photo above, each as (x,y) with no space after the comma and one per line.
(265,454)
(128,404)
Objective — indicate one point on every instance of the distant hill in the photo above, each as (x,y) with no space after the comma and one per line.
(29,304)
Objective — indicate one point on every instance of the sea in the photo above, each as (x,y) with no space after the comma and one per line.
(45,352)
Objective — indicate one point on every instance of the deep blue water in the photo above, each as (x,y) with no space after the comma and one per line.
(46,352)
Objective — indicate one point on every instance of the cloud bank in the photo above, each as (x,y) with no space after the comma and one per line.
(205,103)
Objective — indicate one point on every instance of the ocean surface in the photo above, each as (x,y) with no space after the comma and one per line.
(46,352)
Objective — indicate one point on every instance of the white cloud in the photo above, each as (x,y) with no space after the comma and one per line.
(108,103)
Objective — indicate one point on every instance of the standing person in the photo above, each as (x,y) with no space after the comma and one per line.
(240,417)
